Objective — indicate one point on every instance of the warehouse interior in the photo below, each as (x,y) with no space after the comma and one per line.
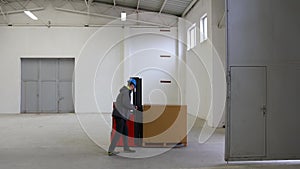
(232,66)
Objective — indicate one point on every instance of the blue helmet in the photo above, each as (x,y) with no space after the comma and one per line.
(133,81)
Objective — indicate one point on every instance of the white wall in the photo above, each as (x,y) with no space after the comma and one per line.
(143,48)
(128,52)
(99,54)
(95,78)
(60,43)
(199,61)
(32,42)
(266,33)
(206,63)
(218,28)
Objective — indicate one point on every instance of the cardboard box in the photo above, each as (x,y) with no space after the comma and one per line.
(164,124)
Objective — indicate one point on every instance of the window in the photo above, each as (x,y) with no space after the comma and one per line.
(203,28)
(191,37)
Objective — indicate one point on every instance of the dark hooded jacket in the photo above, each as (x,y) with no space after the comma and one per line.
(122,104)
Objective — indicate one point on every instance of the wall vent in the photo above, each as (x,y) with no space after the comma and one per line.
(165,56)
(165,81)
(165,30)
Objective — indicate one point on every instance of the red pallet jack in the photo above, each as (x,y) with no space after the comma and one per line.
(130,125)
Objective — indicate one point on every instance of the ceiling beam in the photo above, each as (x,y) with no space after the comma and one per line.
(3,1)
(22,10)
(3,14)
(221,23)
(163,6)
(8,4)
(26,3)
(112,17)
(128,7)
(90,2)
(21,5)
(188,8)
(87,3)
(122,7)
(138,5)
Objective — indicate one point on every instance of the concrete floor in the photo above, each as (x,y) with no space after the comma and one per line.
(58,141)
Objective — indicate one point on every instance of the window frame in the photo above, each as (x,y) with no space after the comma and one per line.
(191,32)
(203,28)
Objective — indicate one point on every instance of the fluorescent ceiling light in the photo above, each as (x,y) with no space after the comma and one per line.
(123,16)
(31,15)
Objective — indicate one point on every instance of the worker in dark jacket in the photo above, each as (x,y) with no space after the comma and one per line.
(121,113)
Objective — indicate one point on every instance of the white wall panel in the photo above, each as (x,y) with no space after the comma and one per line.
(97,53)
(94,73)
(199,60)
(206,63)
(144,47)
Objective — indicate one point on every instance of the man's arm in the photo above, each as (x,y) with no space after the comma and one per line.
(126,102)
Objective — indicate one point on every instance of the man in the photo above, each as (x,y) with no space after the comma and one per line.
(121,113)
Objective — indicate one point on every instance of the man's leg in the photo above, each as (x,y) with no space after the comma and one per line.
(125,139)
(125,135)
(119,130)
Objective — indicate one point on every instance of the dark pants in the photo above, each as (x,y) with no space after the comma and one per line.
(121,129)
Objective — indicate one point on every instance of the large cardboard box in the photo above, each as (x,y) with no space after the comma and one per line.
(164,125)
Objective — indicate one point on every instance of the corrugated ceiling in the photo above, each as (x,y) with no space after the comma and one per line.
(172,7)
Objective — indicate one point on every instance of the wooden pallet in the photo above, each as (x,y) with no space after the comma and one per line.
(156,145)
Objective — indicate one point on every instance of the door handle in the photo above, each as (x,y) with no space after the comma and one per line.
(264,109)
(60,99)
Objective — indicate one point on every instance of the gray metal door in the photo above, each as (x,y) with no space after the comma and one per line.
(65,85)
(247,123)
(47,85)
(30,85)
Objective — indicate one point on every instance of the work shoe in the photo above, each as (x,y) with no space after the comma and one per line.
(112,153)
(129,151)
